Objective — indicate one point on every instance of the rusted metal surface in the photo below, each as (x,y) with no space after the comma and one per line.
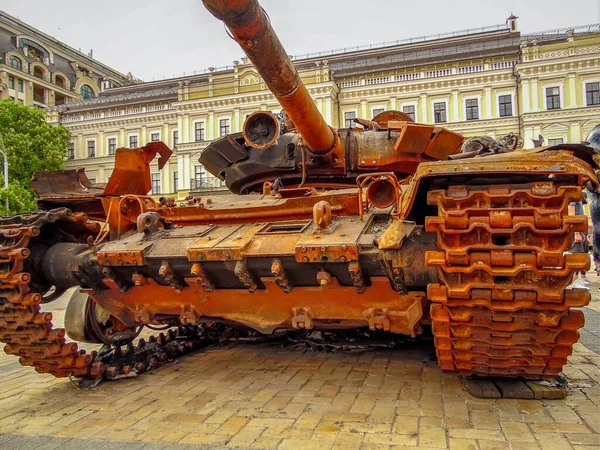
(502,307)
(252,30)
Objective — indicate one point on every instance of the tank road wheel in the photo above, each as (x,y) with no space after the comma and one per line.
(85,321)
(502,307)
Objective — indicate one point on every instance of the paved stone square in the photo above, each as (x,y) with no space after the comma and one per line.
(273,397)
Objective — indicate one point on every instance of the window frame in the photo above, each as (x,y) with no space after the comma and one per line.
(91,154)
(512,103)
(562,141)
(224,126)
(20,85)
(176,181)
(351,119)
(92,95)
(380,110)
(18,66)
(137,140)
(113,151)
(175,138)
(71,150)
(433,105)
(155,178)
(595,93)
(409,105)
(155,134)
(469,109)
(200,127)
(560,97)
(11,80)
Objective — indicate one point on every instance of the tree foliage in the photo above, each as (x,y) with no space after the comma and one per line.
(32,145)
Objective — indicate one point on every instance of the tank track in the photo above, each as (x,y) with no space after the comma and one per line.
(28,332)
(502,307)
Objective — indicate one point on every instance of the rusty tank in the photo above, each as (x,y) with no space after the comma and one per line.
(392,227)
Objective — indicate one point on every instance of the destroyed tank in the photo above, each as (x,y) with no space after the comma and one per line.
(392,227)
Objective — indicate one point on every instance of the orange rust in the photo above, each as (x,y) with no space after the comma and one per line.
(252,30)
(502,307)
(271,308)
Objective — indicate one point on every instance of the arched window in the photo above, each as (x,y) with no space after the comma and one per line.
(15,63)
(38,72)
(60,81)
(86,91)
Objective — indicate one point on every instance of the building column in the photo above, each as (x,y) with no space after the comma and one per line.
(210,126)
(527,137)
(575,133)
(165,178)
(571,93)
(180,173)
(80,150)
(185,131)
(525,97)
(535,98)
(393,103)
(327,112)
(364,114)
(236,121)
(121,138)
(100,146)
(180,128)
(487,102)
(143,136)
(187,170)
(455,107)
(423,109)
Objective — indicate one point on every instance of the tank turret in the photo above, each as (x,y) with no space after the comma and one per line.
(305,150)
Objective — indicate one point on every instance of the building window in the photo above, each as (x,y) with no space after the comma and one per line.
(112,146)
(199,173)
(592,94)
(71,151)
(91,147)
(15,63)
(378,111)
(439,112)
(175,139)
(86,91)
(223,127)
(552,98)
(60,81)
(133,142)
(11,82)
(38,72)
(410,111)
(349,119)
(505,105)
(175,181)
(199,131)
(155,137)
(472,109)
(156,183)
(92,180)
(556,141)
(20,85)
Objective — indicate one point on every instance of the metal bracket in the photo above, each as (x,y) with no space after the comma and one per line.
(201,278)
(187,316)
(378,319)
(280,276)
(302,318)
(357,278)
(241,271)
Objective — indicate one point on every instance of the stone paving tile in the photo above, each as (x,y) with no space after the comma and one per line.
(266,397)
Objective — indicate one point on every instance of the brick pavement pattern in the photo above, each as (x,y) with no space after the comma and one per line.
(268,397)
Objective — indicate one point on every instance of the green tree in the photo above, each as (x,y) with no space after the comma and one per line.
(32,145)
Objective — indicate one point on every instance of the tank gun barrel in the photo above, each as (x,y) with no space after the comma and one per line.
(252,30)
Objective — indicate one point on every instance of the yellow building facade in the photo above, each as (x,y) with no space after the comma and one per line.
(489,81)
(40,71)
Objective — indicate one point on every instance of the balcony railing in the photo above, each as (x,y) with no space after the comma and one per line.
(205,184)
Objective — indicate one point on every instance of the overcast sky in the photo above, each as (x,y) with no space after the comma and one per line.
(162,38)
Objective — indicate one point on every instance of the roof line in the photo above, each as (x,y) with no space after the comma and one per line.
(60,44)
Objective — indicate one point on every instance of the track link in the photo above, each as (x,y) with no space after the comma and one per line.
(28,332)
(502,307)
